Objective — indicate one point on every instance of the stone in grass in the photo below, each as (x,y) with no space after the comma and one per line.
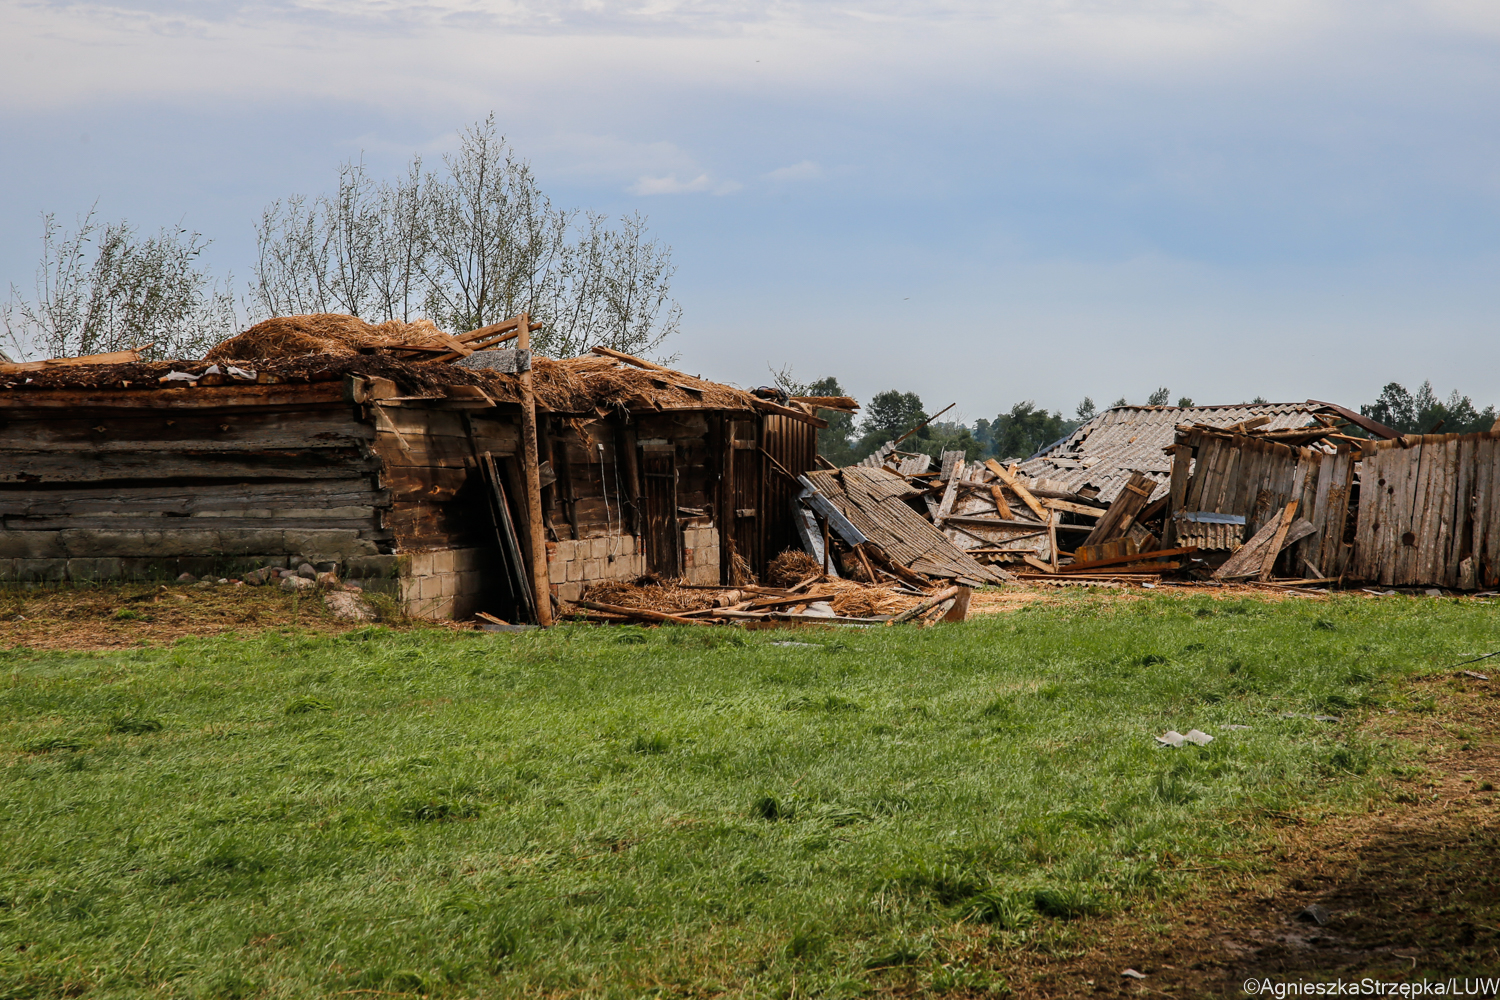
(260,577)
(327,579)
(187,578)
(307,571)
(348,605)
(292,584)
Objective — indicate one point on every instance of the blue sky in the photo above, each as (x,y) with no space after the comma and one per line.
(980,202)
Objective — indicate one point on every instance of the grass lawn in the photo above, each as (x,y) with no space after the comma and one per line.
(673,811)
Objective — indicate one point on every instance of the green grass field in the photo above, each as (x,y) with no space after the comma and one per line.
(675,811)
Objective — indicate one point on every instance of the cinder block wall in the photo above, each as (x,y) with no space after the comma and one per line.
(573,565)
(444,583)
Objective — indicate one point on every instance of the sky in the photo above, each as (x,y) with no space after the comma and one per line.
(982,203)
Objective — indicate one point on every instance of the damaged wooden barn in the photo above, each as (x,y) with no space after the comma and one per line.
(488,481)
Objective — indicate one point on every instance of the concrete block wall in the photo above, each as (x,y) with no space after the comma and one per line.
(700,554)
(573,565)
(444,583)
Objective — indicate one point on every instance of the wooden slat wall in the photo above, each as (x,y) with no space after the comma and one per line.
(1428,512)
(1244,475)
(794,445)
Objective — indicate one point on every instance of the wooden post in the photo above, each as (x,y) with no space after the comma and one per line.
(533,476)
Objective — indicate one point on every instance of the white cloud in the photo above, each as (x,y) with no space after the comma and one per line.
(671,185)
(807,170)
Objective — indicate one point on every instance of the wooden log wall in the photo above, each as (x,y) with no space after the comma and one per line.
(1429,512)
(426,457)
(1240,474)
(231,471)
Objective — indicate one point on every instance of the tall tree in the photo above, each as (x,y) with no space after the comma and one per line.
(1422,411)
(473,243)
(1023,431)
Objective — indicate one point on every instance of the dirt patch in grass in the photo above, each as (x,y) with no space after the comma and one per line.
(119,616)
(1408,889)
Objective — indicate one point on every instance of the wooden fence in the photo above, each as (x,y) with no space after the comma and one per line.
(1429,511)
(1240,474)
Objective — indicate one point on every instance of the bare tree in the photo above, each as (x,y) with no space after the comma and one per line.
(496,239)
(291,267)
(399,249)
(104,288)
(474,244)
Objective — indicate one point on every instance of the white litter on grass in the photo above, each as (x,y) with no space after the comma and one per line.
(805,645)
(1132,974)
(1172,738)
(1315,718)
(1236,728)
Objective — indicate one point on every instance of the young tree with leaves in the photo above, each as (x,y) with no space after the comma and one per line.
(105,287)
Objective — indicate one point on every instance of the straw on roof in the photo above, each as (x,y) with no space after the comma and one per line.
(322,333)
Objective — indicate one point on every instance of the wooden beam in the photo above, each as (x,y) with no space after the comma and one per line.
(1009,479)
(531,468)
(631,359)
(1074,508)
(924,423)
(1359,419)
(653,616)
(1287,514)
(926,605)
(787,411)
(1084,567)
(108,358)
(1001,507)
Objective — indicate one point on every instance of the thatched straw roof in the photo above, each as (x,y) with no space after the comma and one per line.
(322,333)
(573,385)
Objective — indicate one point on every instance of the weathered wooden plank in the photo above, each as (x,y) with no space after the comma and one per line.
(216,397)
(410,483)
(184,500)
(1487,511)
(1413,511)
(1481,546)
(355,518)
(1202,461)
(184,432)
(311,463)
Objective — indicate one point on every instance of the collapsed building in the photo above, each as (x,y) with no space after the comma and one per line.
(460,475)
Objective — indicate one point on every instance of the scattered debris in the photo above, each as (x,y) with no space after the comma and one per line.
(1314,914)
(1172,738)
(1473,675)
(1132,974)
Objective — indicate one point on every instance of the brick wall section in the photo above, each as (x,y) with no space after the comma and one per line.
(573,565)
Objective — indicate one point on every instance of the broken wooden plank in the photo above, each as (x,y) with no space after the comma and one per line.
(1074,508)
(1010,479)
(1278,540)
(1138,557)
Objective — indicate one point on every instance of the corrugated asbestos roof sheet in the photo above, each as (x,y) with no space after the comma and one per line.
(1104,452)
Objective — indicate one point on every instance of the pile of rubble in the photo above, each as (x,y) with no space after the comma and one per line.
(815,597)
